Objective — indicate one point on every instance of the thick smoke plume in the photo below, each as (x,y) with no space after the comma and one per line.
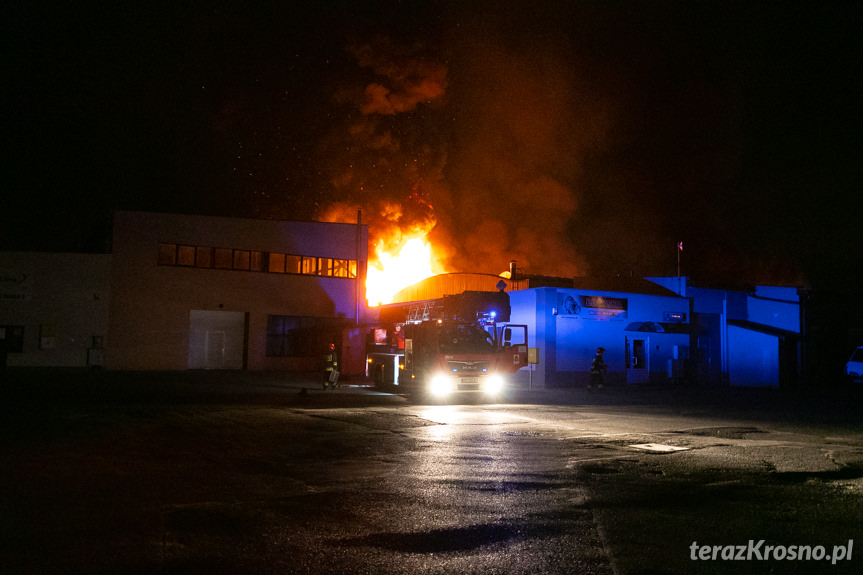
(484,150)
(388,159)
(524,123)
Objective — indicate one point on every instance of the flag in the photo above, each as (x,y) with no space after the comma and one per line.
(680,246)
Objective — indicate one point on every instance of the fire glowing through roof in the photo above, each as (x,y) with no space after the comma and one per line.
(393,271)
(465,188)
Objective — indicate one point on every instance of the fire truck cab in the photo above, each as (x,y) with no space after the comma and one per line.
(454,344)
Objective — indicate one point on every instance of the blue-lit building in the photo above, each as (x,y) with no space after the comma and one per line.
(653,330)
(643,327)
(746,337)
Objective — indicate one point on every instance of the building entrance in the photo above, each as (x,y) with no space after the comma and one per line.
(637,359)
(216,339)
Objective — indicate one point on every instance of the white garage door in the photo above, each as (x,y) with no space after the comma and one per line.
(216,339)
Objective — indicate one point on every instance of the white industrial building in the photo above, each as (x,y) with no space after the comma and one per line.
(190,292)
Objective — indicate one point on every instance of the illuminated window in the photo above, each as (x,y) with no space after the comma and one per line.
(186,256)
(293,264)
(167,254)
(342,268)
(224,258)
(277,263)
(310,266)
(204,257)
(325,267)
(241,260)
(247,260)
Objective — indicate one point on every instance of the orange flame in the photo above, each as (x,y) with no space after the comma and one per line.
(412,262)
(402,253)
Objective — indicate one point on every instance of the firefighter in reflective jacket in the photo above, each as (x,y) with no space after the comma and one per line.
(331,367)
(598,367)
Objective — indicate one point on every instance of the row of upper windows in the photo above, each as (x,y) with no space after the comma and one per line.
(248,260)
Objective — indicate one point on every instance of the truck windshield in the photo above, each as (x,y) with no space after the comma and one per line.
(459,339)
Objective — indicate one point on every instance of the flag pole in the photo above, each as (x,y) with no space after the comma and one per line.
(679,249)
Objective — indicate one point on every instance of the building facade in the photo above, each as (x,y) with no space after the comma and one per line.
(643,327)
(180,292)
(645,335)
(752,337)
(191,292)
(53,308)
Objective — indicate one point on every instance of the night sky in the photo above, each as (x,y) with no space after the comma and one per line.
(579,138)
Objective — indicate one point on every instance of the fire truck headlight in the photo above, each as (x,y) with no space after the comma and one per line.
(493,384)
(440,385)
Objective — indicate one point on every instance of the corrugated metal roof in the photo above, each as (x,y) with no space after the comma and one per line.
(450,284)
(455,283)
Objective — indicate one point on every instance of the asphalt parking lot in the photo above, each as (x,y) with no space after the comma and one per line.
(219,472)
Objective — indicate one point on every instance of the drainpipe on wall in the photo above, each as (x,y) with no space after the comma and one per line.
(357,282)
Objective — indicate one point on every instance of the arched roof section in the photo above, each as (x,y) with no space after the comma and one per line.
(450,284)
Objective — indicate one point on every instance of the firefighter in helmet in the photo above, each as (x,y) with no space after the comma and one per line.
(331,367)
(598,367)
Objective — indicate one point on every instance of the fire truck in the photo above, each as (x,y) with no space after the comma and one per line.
(458,343)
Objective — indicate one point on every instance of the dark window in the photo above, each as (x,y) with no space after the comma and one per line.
(167,254)
(277,263)
(204,257)
(224,258)
(186,255)
(293,264)
(241,260)
(256,262)
(298,336)
(13,337)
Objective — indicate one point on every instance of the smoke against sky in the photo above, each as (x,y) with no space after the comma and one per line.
(524,122)
(387,157)
(574,137)
(484,149)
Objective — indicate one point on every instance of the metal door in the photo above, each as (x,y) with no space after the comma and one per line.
(637,359)
(217,339)
(215,349)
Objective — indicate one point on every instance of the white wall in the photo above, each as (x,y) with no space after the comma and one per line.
(151,304)
(216,339)
(61,300)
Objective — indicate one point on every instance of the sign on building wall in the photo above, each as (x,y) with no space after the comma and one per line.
(592,306)
(14,285)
